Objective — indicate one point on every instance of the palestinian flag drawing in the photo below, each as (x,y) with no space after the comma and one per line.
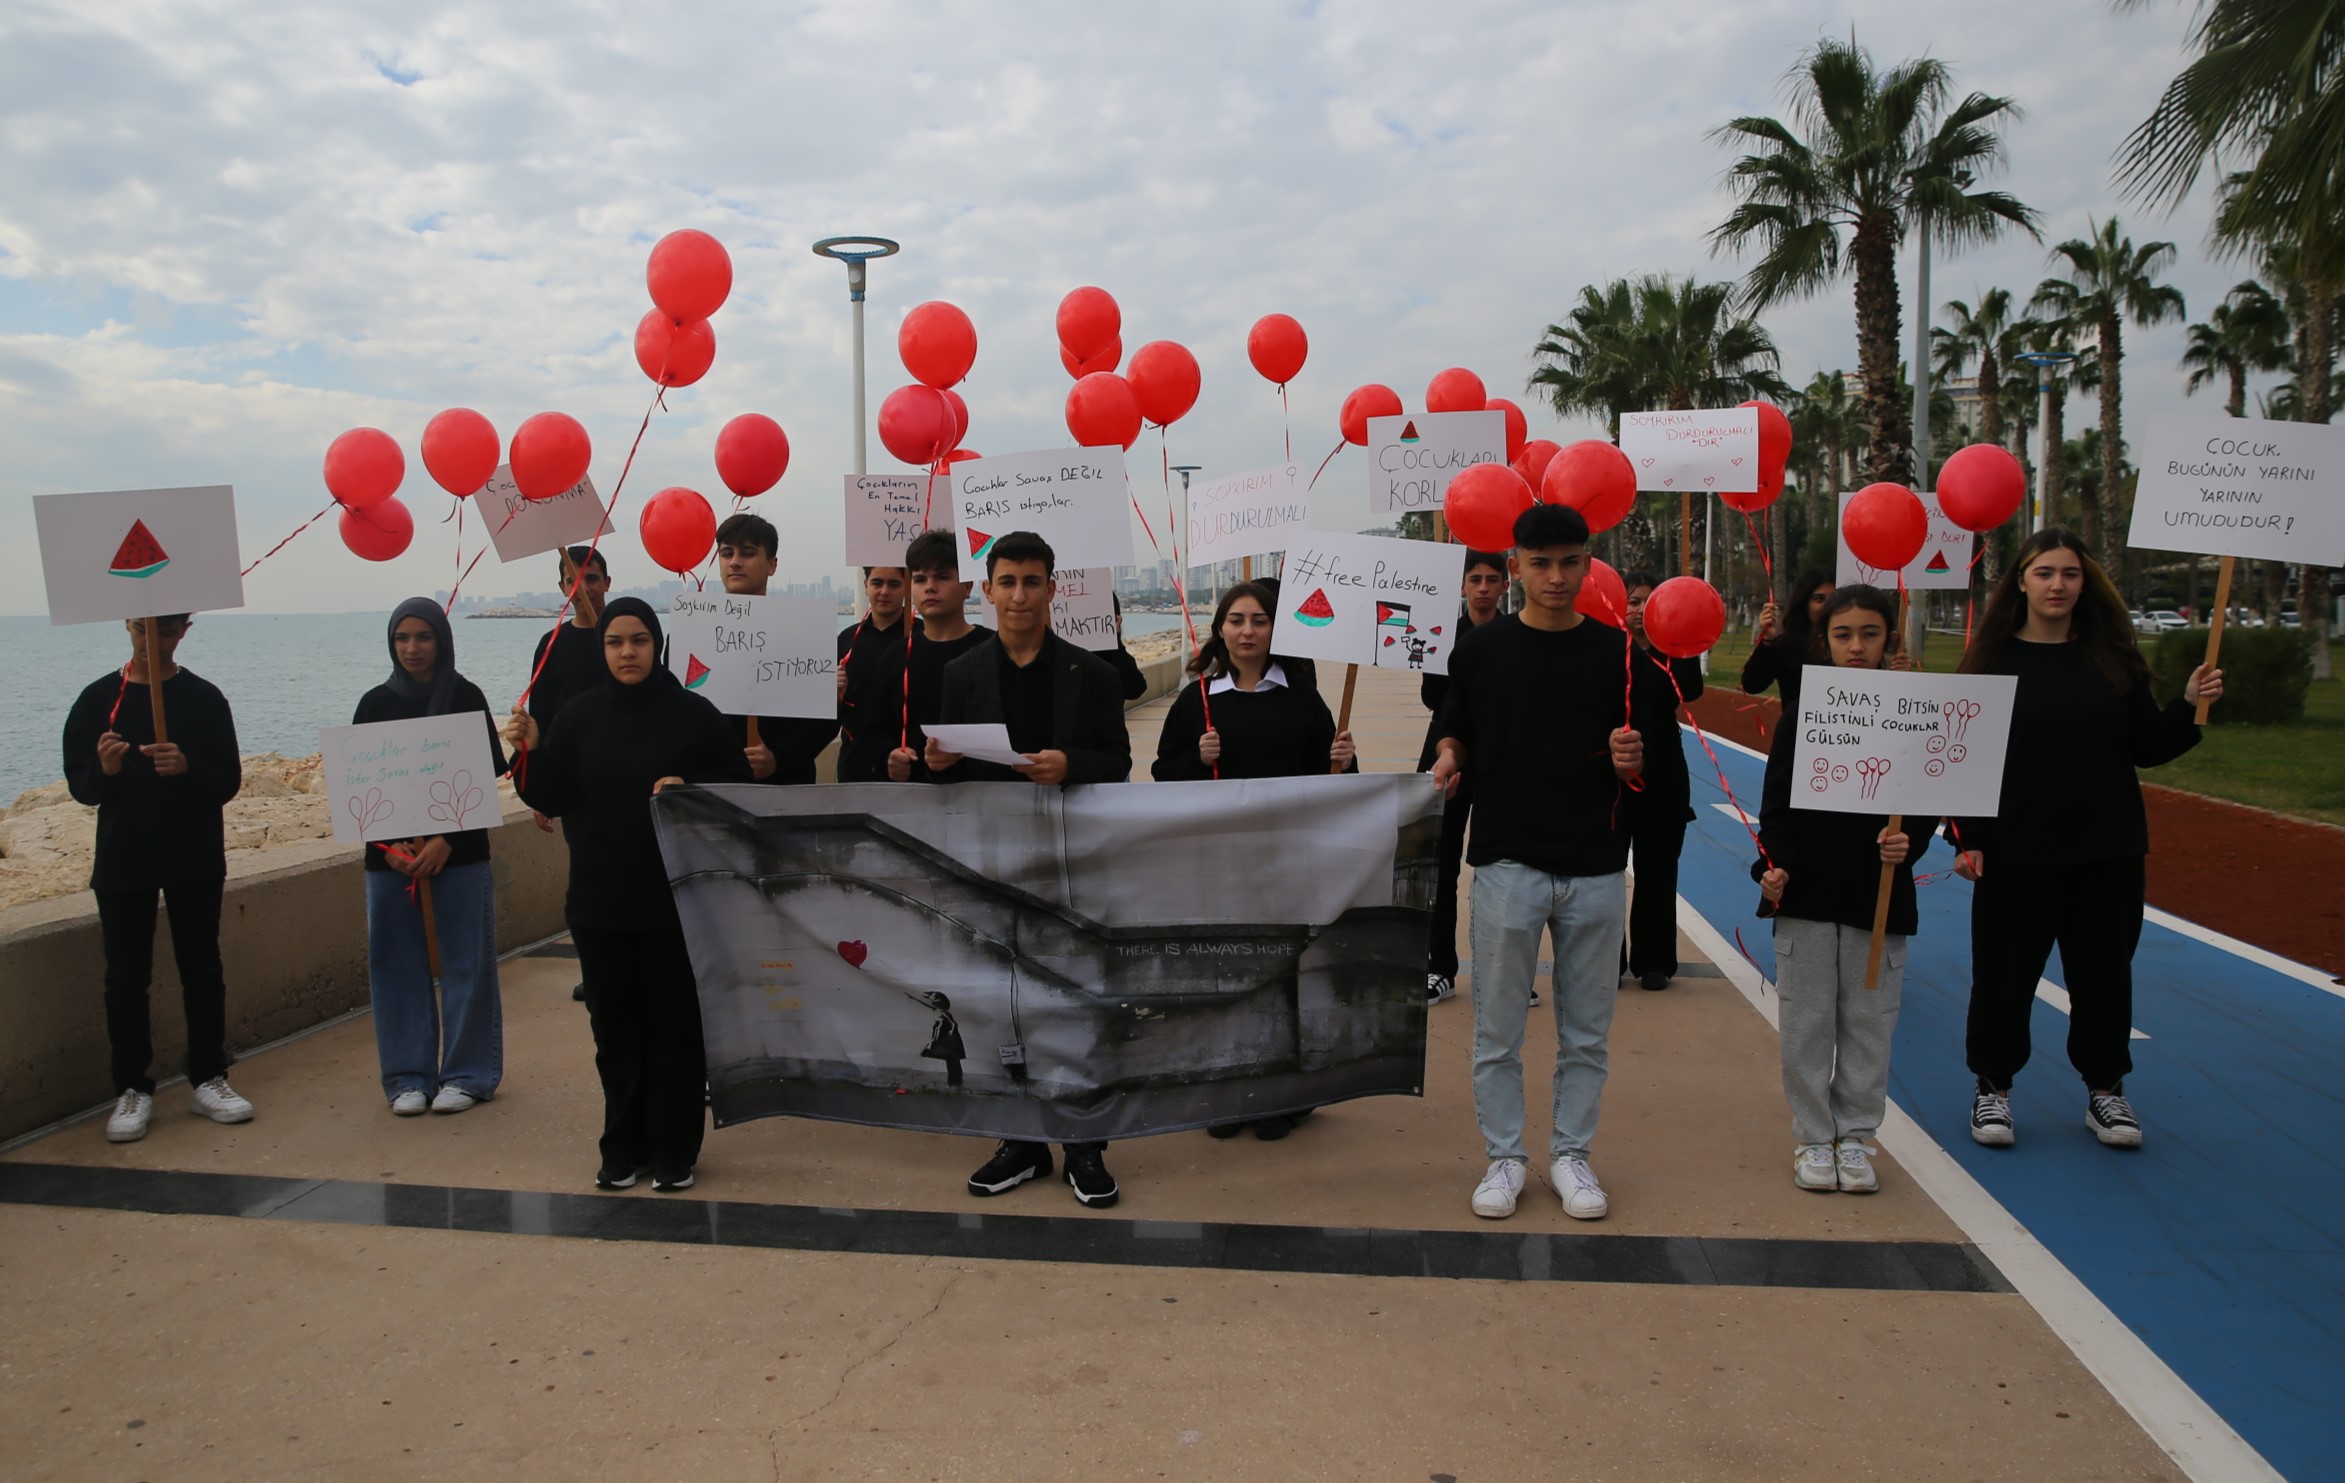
(979,544)
(1316,610)
(695,673)
(1408,432)
(1937,563)
(139,555)
(1393,615)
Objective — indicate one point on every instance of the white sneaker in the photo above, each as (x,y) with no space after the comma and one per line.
(1583,1197)
(1495,1196)
(453,1099)
(218,1101)
(1856,1169)
(131,1111)
(410,1103)
(1814,1167)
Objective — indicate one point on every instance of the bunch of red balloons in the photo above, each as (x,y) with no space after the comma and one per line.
(1105,409)
(363,471)
(689,275)
(924,422)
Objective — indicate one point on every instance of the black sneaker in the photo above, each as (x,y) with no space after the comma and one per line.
(1654,982)
(1220,1132)
(1012,1164)
(670,1183)
(2110,1117)
(1439,986)
(1271,1129)
(1087,1174)
(1990,1117)
(614,1179)
(578,993)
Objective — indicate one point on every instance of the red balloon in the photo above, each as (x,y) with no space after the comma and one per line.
(1164,377)
(960,415)
(678,528)
(1885,526)
(1518,427)
(549,454)
(752,454)
(1770,488)
(1277,346)
(689,275)
(1368,401)
(945,464)
(916,424)
(1481,504)
(1531,462)
(938,343)
(1684,617)
(672,353)
(1456,390)
(1106,360)
(1603,596)
(1774,439)
(364,467)
(1594,478)
(379,531)
(1089,322)
(460,450)
(1102,411)
(1980,487)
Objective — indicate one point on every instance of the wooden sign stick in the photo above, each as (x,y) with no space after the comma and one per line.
(2215,628)
(1881,913)
(753,737)
(582,613)
(1343,717)
(431,924)
(155,677)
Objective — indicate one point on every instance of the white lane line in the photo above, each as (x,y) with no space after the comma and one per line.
(2302,973)
(2199,1440)
(2056,996)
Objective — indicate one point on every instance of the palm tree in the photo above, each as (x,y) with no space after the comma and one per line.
(2247,332)
(1992,335)
(1594,365)
(1831,421)
(2109,281)
(1839,187)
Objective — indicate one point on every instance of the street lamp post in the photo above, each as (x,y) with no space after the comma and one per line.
(855,252)
(2046,362)
(1185,470)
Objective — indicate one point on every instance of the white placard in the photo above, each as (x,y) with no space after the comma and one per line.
(756,656)
(139,553)
(1944,562)
(2238,486)
(1248,514)
(1412,458)
(1074,498)
(409,779)
(985,741)
(885,511)
(531,527)
(1884,741)
(1714,449)
(1369,600)
(1084,612)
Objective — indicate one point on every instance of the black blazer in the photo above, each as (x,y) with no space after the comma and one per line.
(1087,712)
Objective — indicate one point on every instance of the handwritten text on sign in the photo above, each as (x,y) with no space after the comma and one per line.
(756,656)
(2236,486)
(1944,562)
(1412,458)
(1248,514)
(1368,600)
(1879,741)
(1707,450)
(1074,498)
(1084,613)
(410,779)
(531,527)
(884,512)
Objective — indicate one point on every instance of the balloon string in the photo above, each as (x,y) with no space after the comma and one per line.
(483,551)
(458,512)
(854,635)
(120,691)
(1628,685)
(1765,559)
(904,731)
(1287,421)
(414,883)
(1323,463)
(1723,784)
(281,545)
(1180,590)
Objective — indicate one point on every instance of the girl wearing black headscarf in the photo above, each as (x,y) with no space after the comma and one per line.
(448,1053)
(595,769)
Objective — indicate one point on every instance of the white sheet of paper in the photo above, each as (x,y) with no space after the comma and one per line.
(524,527)
(1944,562)
(96,567)
(1084,612)
(2239,486)
(1248,514)
(1374,600)
(1714,449)
(406,779)
(1412,458)
(1074,498)
(756,656)
(1882,741)
(885,511)
(986,741)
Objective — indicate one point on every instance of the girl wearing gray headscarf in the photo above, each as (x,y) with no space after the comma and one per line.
(446,1053)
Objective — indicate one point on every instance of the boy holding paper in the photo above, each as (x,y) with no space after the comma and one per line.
(944,635)
(784,748)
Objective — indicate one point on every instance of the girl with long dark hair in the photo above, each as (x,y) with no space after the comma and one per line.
(1785,637)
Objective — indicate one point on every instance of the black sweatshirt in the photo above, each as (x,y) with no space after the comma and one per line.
(1668,795)
(153,830)
(1127,670)
(1271,732)
(1431,691)
(2070,796)
(577,667)
(594,769)
(382,703)
(1774,663)
(929,658)
(1831,861)
(871,714)
(1535,711)
(795,741)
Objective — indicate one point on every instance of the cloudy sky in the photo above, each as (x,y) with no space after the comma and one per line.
(230,231)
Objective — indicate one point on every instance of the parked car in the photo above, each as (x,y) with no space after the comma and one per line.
(2167,618)
(2143,626)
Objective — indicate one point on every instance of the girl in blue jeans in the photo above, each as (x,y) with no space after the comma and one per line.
(444,1053)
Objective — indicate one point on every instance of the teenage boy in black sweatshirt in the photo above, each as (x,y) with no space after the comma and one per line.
(871,679)
(159,830)
(1657,816)
(575,664)
(1485,590)
(945,633)
(1536,713)
(785,747)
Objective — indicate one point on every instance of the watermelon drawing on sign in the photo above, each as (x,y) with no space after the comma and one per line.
(978,542)
(139,555)
(1937,563)
(695,673)
(1408,432)
(1316,610)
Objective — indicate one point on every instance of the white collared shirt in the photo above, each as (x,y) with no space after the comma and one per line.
(1273,678)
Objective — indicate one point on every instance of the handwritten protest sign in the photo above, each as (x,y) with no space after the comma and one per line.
(885,511)
(138,553)
(1714,450)
(2238,486)
(1368,600)
(409,779)
(1880,741)
(1074,498)
(1083,613)
(1944,562)
(1248,514)
(531,527)
(1412,458)
(756,656)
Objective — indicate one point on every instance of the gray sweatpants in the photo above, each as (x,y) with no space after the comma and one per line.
(1836,1032)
